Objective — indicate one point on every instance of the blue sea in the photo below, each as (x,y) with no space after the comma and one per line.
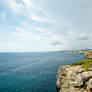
(33,72)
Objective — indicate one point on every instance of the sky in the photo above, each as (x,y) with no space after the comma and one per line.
(45,25)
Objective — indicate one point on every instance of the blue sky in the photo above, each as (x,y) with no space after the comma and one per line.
(45,25)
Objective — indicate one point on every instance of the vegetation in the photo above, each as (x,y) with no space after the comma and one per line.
(90,52)
(87,64)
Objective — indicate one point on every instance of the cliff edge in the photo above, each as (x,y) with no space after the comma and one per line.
(74,79)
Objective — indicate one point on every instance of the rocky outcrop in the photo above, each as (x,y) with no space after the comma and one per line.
(74,79)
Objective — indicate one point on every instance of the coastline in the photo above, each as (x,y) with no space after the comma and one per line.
(76,77)
(87,54)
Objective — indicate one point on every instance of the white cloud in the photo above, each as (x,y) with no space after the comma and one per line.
(68,23)
(83,36)
(28,9)
(23,34)
(14,6)
(17,28)
(2,16)
(27,3)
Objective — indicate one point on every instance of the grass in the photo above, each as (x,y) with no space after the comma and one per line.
(90,52)
(87,64)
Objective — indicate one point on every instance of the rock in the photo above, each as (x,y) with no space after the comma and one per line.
(77,80)
(59,78)
(74,79)
(86,75)
(80,70)
(89,85)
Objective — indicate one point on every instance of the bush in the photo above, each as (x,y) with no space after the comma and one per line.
(87,64)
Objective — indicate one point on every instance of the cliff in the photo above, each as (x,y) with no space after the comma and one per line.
(74,79)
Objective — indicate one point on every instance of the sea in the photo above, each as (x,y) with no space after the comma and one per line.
(34,71)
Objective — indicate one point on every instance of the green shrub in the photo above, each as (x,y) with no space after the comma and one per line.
(90,52)
(84,63)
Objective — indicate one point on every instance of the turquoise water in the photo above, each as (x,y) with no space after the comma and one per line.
(32,72)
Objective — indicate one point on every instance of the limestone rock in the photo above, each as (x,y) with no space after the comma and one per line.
(74,79)
(89,85)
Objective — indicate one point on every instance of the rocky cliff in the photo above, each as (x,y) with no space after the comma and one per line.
(74,79)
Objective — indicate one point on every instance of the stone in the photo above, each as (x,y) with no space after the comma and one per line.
(89,84)
(86,75)
(74,79)
(77,81)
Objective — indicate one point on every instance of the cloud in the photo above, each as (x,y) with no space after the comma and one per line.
(53,26)
(55,43)
(14,6)
(27,3)
(42,19)
(26,36)
(3,16)
(17,28)
(83,38)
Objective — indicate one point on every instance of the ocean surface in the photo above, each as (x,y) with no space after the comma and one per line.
(32,72)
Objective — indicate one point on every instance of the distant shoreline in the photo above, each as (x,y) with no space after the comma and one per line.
(88,54)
